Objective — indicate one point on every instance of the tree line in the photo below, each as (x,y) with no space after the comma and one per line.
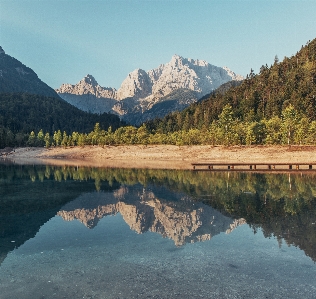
(291,128)
(21,113)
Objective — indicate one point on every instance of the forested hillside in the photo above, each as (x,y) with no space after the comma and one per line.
(22,113)
(259,97)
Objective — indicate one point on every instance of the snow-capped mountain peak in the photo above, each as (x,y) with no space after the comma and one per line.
(141,90)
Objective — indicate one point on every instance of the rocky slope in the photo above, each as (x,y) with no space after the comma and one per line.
(16,77)
(88,95)
(178,83)
(180,219)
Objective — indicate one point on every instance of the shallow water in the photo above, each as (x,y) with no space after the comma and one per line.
(113,233)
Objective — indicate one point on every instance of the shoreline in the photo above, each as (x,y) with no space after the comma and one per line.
(157,156)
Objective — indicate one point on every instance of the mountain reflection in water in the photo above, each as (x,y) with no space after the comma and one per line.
(184,206)
(180,219)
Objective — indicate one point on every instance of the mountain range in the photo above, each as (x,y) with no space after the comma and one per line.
(148,95)
(142,95)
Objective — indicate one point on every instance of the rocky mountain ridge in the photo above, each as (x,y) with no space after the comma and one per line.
(142,90)
(16,77)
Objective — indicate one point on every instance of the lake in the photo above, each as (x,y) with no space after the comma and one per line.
(81,232)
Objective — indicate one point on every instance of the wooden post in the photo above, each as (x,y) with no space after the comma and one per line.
(297,167)
(254,167)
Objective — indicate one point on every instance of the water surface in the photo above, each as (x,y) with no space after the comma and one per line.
(69,232)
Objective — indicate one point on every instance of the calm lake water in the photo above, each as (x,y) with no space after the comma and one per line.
(68,232)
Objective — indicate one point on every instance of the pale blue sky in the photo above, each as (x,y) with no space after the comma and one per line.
(64,40)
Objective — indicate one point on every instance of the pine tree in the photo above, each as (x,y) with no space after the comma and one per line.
(225,121)
(32,139)
(289,121)
(64,140)
(40,138)
(47,140)
(57,138)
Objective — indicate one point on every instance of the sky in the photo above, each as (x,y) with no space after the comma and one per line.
(64,40)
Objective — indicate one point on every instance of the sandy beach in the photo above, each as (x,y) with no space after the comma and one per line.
(158,156)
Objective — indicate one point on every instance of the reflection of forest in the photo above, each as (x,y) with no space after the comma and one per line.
(173,215)
(281,205)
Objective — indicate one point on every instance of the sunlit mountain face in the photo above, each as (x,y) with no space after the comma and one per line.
(84,230)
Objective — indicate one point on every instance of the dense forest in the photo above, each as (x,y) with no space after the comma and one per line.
(22,113)
(227,131)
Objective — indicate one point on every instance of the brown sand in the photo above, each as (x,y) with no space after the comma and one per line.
(159,156)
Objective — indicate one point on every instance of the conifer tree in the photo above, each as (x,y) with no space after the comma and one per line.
(225,121)
(32,139)
(40,138)
(57,138)
(47,140)
(289,121)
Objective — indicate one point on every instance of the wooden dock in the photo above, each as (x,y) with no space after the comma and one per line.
(255,166)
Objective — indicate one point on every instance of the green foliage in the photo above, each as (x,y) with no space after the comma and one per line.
(40,138)
(57,138)
(32,139)
(47,140)
(273,133)
(289,123)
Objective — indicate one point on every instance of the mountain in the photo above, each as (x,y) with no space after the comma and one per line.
(177,100)
(88,95)
(182,80)
(16,77)
(259,96)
